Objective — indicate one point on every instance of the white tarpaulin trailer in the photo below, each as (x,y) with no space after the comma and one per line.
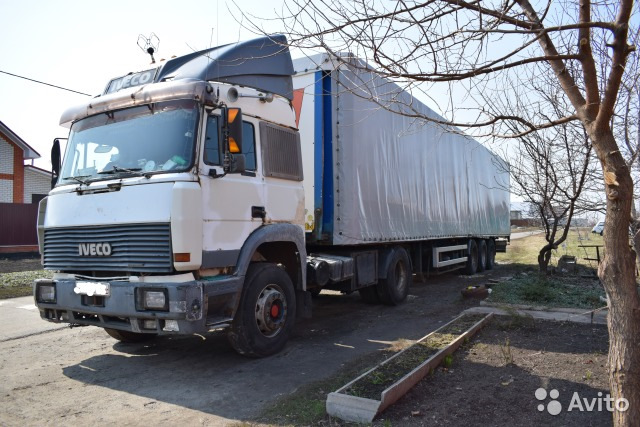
(373,175)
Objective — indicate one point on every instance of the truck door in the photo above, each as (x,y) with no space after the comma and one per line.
(232,203)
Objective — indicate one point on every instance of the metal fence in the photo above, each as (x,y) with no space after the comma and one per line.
(18,224)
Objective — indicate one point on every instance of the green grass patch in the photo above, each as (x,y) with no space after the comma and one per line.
(529,287)
(549,291)
(20,284)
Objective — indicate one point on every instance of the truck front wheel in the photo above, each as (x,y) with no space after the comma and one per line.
(266,312)
(128,337)
(394,288)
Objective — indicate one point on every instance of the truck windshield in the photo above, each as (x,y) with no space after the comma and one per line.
(144,140)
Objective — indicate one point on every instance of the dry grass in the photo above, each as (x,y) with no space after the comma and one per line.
(525,251)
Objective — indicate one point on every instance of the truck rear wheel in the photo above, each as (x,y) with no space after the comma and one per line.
(266,312)
(394,288)
(491,254)
(128,337)
(482,255)
(472,258)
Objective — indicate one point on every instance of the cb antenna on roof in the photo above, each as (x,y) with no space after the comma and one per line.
(149,44)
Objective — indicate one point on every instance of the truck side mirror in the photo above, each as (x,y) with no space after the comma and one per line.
(238,163)
(55,162)
(232,129)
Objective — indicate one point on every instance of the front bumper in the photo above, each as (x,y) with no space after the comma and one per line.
(191,307)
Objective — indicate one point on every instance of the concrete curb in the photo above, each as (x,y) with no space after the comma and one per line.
(558,315)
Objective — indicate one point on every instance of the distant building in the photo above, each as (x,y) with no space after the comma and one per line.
(21,188)
(516,214)
(20,183)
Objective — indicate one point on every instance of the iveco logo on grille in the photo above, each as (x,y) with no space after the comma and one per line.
(94,249)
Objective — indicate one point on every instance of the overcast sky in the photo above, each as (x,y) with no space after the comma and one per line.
(81,45)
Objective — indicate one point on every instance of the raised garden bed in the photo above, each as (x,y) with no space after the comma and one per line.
(375,390)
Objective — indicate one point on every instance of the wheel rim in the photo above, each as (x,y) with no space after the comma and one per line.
(401,277)
(271,310)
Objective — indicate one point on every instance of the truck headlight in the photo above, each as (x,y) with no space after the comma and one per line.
(155,300)
(46,292)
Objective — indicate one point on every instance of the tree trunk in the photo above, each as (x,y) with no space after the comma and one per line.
(617,273)
(635,232)
(544,256)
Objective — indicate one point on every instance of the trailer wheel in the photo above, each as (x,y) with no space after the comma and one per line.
(128,337)
(266,313)
(369,295)
(472,258)
(491,254)
(394,289)
(482,255)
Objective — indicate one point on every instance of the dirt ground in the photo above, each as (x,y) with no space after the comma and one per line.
(492,381)
(81,376)
(483,388)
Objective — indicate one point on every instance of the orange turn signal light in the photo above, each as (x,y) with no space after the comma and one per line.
(182,257)
(232,114)
(233,146)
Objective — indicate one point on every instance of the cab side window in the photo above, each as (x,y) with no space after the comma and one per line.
(249,146)
(212,142)
(213,149)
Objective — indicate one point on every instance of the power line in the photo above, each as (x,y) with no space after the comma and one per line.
(43,83)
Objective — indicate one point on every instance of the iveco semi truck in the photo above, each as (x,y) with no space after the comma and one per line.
(221,189)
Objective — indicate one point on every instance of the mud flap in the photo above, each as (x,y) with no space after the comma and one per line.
(303,304)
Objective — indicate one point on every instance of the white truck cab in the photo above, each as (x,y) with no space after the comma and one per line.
(170,186)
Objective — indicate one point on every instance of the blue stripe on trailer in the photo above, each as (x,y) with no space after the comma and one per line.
(317,150)
(327,175)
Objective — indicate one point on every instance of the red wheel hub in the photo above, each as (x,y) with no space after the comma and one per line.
(275,311)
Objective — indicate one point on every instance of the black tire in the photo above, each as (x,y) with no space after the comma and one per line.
(266,312)
(128,337)
(369,295)
(394,289)
(482,255)
(472,258)
(491,254)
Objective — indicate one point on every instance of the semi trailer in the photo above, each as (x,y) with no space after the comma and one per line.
(220,190)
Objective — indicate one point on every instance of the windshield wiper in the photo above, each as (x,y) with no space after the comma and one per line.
(118,169)
(78,179)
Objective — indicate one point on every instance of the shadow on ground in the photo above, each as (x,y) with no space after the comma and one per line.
(205,374)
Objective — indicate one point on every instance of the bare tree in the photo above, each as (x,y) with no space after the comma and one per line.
(474,44)
(552,171)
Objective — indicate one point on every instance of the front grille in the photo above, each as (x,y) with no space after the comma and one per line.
(144,248)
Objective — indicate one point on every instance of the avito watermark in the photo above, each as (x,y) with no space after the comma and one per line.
(600,403)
